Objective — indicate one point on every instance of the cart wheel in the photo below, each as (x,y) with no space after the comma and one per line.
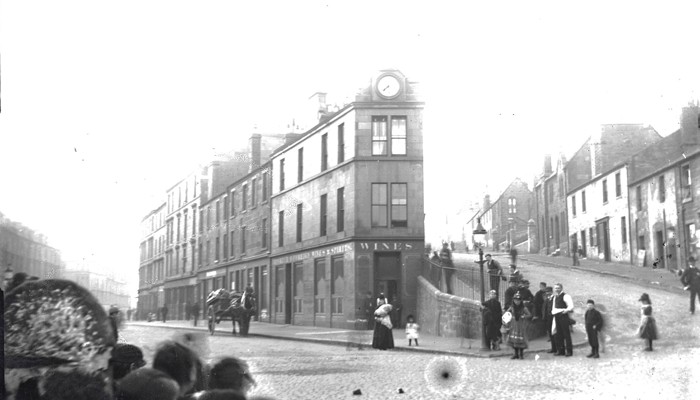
(211,318)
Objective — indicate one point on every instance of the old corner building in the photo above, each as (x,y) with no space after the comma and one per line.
(347,210)
(316,225)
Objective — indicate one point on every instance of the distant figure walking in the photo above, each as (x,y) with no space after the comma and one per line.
(447,266)
(691,282)
(164,313)
(513,255)
(195,311)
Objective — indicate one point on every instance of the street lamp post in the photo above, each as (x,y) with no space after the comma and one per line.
(479,236)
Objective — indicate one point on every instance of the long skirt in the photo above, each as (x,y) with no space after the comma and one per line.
(647,330)
(383,337)
(517,337)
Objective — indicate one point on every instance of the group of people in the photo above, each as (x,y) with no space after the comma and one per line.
(61,344)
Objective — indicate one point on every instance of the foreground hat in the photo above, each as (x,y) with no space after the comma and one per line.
(128,354)
(645,297)
(148,384)
(590,301)
(52,322)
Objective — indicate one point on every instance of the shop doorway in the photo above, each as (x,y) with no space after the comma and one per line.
(660,261)
(603,238)
(387,279)
(288,294)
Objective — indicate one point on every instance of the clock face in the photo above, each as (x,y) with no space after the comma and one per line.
(388,86)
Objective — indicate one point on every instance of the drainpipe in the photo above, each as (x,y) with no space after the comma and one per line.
(665,241)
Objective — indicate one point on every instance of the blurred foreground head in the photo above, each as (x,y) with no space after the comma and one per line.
(147,384)
(54,324)
(231,373)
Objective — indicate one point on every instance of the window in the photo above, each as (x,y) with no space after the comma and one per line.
(341,143)
(216,249)
(233,203)
(300,167)
(324,212)
(618,185)
(282,174)
(244,197)
(194,221)
(233,245)
(399,212)
(337,284)
(590,236)
(320,286)
(225,208)
(253,189)
(264,233)
(340,213)
(686,183)
(184,225)
(280,229)
(662,189)
(583,201)
(178,227)
(201,250)
(379,136)
(184,258)
(512,205)
(243,235)
(605,191)
(299,220)
(208,217)
(225,246)
(561,187)
(398,135)
(639,197)
(379,204)
(324,152)
(573,205)
(208,251)
(264,186)
(298,287)
(623,229)
(218,214)
(177,261)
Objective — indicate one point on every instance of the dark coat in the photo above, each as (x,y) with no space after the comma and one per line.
(494,267)
(547,310)
(492,318)
(594,320)
(508,297)
(538,301)
(691,277)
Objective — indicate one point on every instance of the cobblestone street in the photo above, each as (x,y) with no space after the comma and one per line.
(293,370)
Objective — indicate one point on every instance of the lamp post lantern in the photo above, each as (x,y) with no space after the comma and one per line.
(480,239)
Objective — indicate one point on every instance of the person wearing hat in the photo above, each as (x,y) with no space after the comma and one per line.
(691,282)
(647,326)
(515,273)
(495,272)
(517,334)
(510,292)
(594,323)
(114,321)
(492,320)
(147,384)
(125,358)
(548,318)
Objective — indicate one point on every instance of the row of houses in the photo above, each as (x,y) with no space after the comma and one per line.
(626,195)
(316,221)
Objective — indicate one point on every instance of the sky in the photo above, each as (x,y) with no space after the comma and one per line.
(105,105)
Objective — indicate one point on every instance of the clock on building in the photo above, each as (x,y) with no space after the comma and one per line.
(388,86)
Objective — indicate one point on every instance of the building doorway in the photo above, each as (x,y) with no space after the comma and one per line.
(660,261)
(387,279)
(583,244)
(603,235)
(288,294)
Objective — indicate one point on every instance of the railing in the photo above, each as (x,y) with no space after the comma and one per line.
(465,280)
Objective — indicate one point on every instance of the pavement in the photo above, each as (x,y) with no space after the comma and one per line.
(645,276)
(429,344)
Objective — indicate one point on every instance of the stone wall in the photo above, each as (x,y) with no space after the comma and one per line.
(444,315)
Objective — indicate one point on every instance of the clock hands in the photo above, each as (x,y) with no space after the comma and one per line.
(387,87)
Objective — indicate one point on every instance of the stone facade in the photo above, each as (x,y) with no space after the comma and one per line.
(506,220)
(444,315)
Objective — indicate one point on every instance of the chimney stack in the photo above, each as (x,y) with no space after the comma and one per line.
(254,151)
(690,124)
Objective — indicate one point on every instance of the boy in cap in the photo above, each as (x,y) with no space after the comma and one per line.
(125,358)
(594,323)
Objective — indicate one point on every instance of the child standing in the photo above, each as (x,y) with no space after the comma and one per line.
(594,323)
(647,327)
(411,330)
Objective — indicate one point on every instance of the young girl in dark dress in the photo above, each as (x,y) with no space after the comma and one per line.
(647,327)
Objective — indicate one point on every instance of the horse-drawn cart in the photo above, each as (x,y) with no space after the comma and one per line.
(234,306)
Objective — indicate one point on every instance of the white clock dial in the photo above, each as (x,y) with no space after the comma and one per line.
(388,86)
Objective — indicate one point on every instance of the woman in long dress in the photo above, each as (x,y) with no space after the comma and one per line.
(383,338)
(517,336)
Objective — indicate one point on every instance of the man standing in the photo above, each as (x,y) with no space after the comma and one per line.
(547,315)
(492,319)
(562,306)
(691,281)
(164,312)
(195,311)
(539,301)
(447,265)
(495,273)
(515,273)
(510,292)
